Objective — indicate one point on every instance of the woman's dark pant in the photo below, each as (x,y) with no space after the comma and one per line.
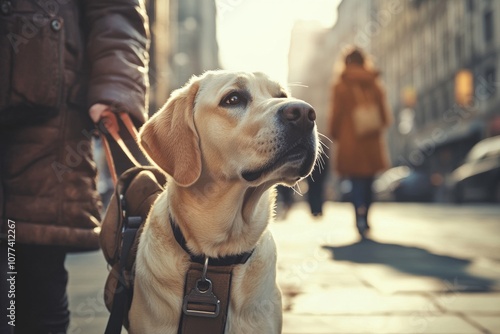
(316,183)
(41,301)
(362,195)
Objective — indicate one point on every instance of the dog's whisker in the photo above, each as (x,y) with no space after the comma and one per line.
(321,159)
(320,164)
(324,136)
(296,84)
(298,191)
(321,149)
(321,156)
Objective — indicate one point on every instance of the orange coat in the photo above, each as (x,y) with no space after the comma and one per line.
(355,156)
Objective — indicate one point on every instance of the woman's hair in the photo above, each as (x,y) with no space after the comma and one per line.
(355,56)
(352,55)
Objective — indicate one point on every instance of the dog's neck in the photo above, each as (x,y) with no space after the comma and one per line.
(221,218)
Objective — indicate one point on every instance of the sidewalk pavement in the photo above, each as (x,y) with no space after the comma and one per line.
(372,286)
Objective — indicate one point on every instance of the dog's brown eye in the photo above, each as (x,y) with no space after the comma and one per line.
(234,99)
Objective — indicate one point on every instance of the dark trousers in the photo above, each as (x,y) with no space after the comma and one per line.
(285,195)
(362,195)
(316,185)
(41,302)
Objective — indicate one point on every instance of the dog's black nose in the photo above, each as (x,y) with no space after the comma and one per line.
(298,114)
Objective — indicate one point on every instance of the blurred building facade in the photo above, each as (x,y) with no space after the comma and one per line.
(310,68)
(439,63)
(183,43)
(159,67)
(194,44)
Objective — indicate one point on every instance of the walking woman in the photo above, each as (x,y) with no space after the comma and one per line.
(358,117)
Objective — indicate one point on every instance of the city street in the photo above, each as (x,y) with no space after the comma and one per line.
(426,268)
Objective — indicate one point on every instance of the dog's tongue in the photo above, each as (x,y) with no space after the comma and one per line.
(251,176)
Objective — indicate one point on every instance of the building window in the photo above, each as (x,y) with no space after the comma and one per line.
(490,76)
(459,49)
(446,50)
(488,26)
(434,114)
(470,5)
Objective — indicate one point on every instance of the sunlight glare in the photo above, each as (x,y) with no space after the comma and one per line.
(255,35)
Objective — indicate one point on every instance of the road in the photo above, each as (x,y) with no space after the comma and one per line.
(426,268)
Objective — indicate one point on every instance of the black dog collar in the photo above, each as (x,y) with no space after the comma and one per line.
(220,261)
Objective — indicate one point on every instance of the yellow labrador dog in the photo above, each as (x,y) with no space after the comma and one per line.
(225,139)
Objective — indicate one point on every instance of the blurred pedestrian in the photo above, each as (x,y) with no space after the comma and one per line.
(284,201)
(358,117)
(316,185)
(62,64)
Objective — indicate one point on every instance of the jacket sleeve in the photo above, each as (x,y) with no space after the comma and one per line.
(386,112)
(117,50)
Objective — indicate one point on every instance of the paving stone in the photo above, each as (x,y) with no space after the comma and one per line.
(89,325)
(490,323)
(348,301)
(470,303)
(391,324)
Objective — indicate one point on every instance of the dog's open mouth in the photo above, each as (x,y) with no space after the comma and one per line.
(298,152)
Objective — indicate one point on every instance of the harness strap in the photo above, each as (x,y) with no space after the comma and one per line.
(206,311)
(220,278)
(122,297)
(123,293)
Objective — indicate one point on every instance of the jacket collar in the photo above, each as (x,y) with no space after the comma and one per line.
(356,73)
(219,261)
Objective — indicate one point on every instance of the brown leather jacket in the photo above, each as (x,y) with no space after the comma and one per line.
(354,156)
(57,58)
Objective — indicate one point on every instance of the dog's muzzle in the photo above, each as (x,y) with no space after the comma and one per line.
(298,118)
(297,143)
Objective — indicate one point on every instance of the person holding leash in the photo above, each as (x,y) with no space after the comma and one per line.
(58,61)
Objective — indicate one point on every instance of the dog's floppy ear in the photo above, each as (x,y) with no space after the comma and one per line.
(170,137)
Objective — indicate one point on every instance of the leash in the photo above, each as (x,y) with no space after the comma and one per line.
(109,122)
(122,297)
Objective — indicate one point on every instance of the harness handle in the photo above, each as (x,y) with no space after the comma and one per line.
(109,121)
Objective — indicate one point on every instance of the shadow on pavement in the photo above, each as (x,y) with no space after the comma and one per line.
(412,260)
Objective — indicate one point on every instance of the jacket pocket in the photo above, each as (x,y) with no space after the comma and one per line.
(33,45)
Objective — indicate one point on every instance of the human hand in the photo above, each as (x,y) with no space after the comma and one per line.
(97,110)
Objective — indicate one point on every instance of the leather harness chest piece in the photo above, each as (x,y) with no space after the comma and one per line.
(206,290)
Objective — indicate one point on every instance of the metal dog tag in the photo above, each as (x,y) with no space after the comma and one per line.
(201,302)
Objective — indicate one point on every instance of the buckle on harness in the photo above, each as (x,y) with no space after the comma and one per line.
(201,301)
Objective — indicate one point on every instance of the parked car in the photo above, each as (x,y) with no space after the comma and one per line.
(403,184)
(478,178)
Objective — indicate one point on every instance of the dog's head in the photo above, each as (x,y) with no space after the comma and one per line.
(232,126)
